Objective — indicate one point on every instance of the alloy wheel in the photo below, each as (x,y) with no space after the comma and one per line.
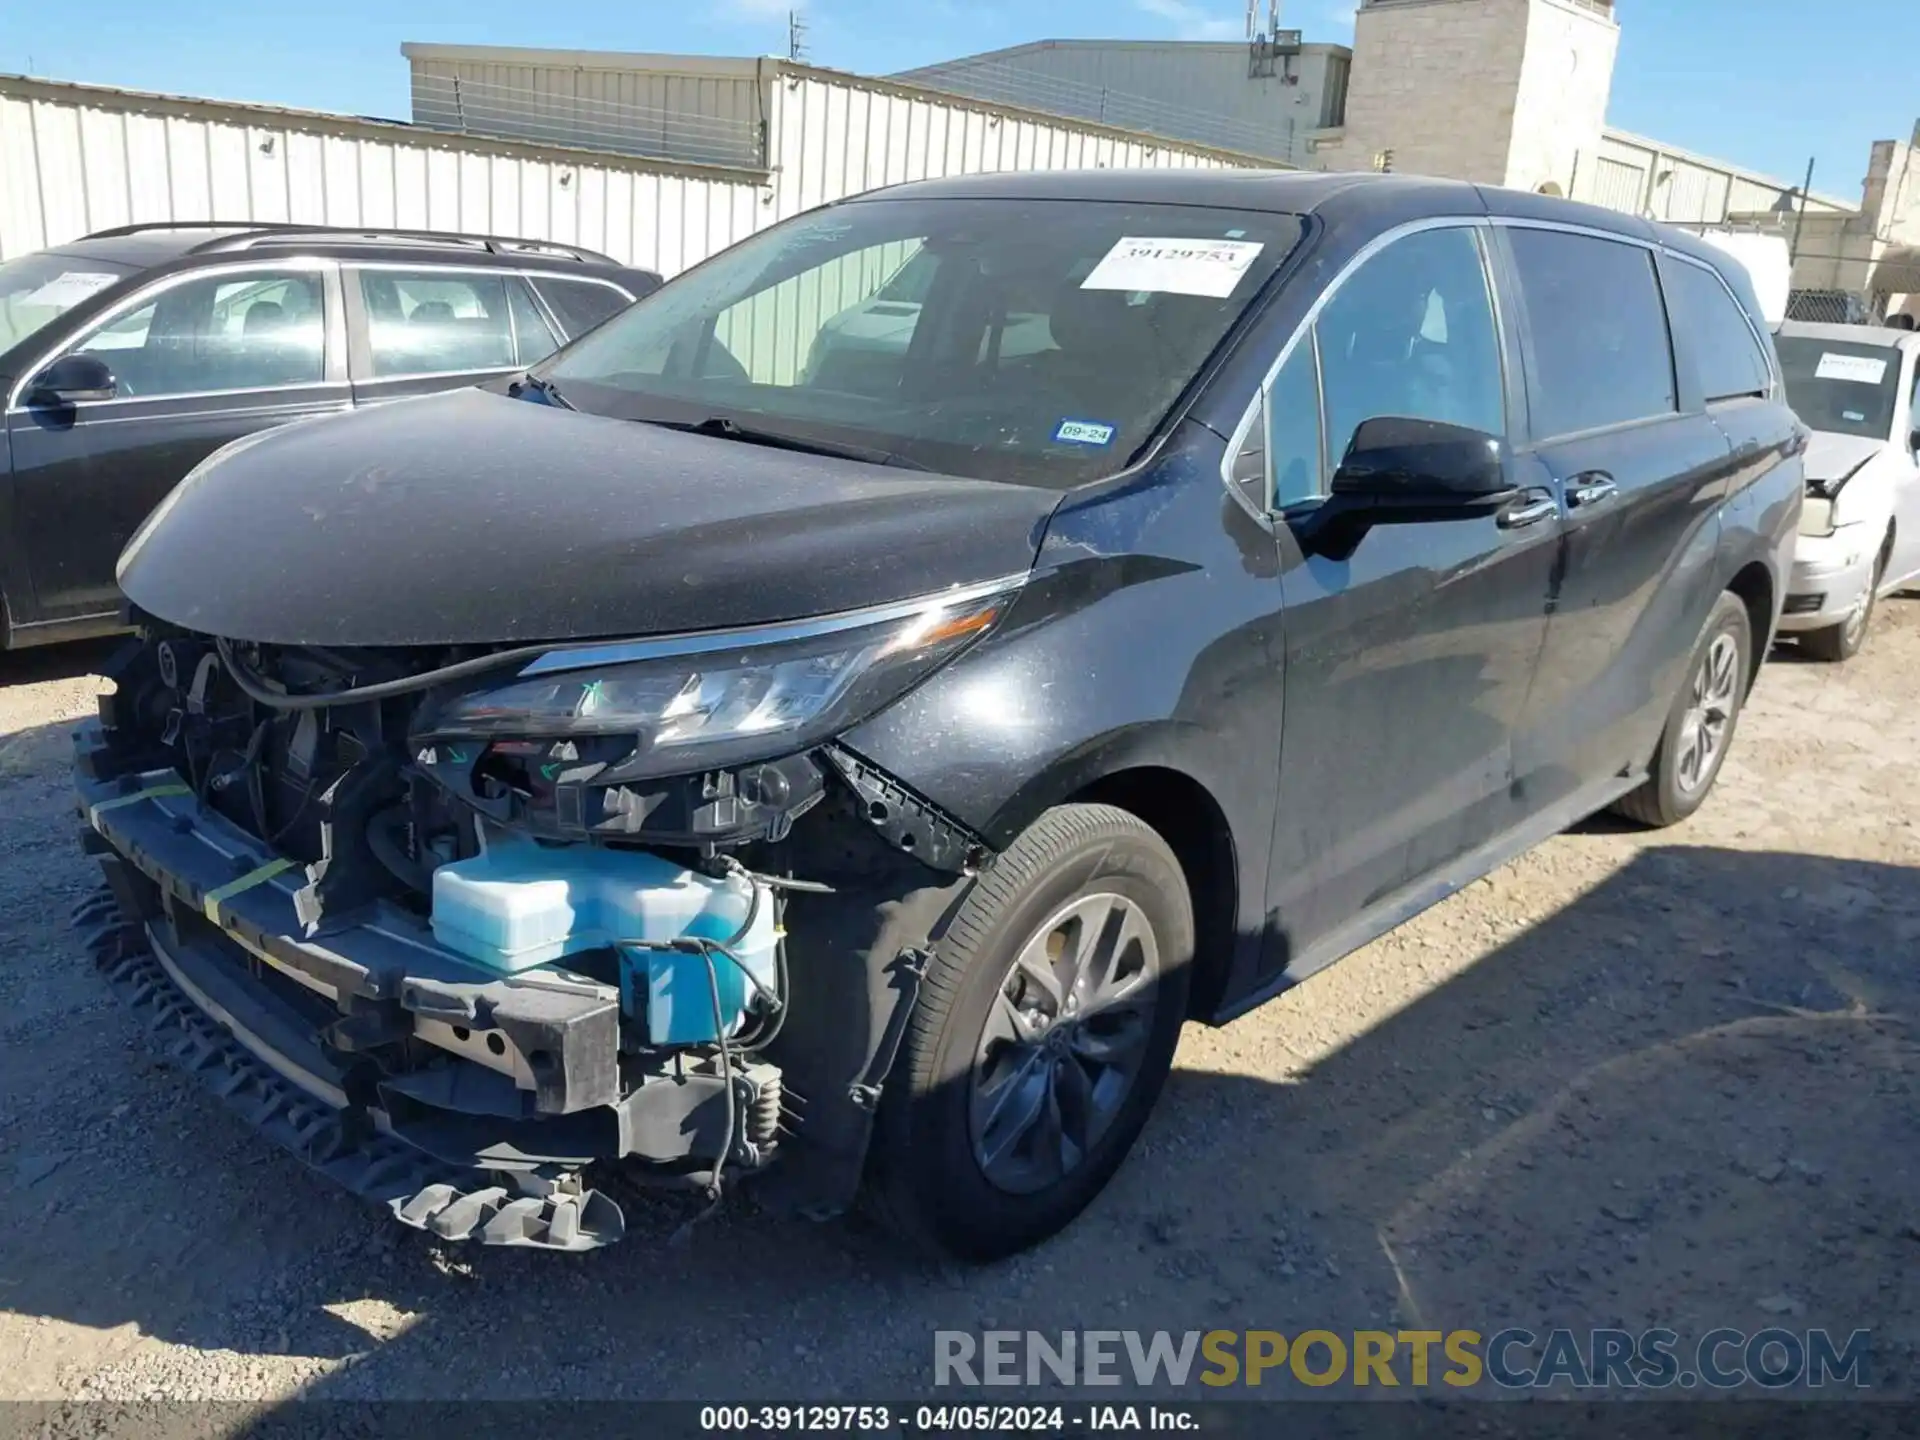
(1063,1042)
(1710,710)
(1862,611)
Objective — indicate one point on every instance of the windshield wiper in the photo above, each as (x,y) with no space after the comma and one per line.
(726,428)
(545,389)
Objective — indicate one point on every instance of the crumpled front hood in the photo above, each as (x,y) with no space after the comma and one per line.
(472,518)
(1832,457)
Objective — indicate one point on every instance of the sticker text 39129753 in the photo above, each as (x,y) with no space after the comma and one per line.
(1174,266)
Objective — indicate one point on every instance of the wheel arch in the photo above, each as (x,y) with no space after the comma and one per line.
(1753,586)
(1190,820)
(1142,773)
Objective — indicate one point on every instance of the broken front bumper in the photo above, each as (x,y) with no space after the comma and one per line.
(488,1139)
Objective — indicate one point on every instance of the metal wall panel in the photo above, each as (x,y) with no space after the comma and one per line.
(836,135)
(77,159)
(697,119)
(1618,185)
(1201,93)
(1694,189)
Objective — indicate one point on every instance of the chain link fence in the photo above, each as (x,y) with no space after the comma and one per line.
(1833,307)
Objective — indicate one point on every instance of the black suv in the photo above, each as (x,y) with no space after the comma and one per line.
(129,356)
(771,738)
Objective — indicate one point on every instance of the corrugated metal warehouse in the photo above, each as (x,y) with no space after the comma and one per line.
(1646,177)
(75,158)
(1222,93)
(661,160)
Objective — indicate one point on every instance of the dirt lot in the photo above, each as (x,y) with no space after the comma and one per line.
(1629,1080)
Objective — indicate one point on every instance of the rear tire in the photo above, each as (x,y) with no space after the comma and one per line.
(1842,642)
(1055,998)
(1701,725)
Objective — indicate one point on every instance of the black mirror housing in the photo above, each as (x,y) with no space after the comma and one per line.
(73,378)
(1394,461)
(1400,471)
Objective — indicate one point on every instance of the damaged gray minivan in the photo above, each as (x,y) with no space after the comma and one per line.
(756,745)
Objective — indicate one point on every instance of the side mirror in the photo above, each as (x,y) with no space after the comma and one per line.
(1400,471)
(73,378)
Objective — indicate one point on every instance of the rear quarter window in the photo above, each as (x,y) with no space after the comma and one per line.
(579,305)
(1722,343)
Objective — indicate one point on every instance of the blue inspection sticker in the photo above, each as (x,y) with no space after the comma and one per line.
(1084,432)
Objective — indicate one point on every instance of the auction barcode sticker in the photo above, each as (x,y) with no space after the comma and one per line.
(1171,266)
(1857,368)
(69,288)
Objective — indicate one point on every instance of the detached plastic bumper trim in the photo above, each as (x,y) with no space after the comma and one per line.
(347,1147)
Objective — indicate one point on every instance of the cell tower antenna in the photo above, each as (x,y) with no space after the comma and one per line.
(796,35)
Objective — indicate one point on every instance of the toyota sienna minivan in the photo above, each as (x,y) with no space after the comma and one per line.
(683,764)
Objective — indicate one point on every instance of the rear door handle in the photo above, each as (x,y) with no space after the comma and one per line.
(1528,509)
(1595,487)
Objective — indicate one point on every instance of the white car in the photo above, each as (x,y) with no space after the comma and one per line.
(1857,387)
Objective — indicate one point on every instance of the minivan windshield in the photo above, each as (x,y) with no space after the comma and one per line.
(1044,340)
(1847,387)
(35,290)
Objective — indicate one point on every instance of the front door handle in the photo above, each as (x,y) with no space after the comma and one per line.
(1595,487)
(1528,509)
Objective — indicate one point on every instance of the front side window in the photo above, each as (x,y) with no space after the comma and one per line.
(1411,333)
(446,322)
(1601,352)
(255,331)
(36,290)
(1033,340)
(1730,360)
(1841,386)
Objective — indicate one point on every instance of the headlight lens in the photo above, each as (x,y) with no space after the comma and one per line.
(1816,516)
(699,701)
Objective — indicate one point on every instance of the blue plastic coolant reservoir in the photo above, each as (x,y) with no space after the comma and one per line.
(523,904)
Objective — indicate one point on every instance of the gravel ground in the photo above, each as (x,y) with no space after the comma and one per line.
(1630,1079)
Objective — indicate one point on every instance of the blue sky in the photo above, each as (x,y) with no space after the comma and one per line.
(1759,82)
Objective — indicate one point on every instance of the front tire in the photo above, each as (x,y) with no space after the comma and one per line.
(1842,642)
(1700,727)
(1045,1029)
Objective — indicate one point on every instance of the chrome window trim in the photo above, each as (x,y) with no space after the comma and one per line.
(293,410)
(1307,326)
(485,372)
(617,652)
(333,326)
(93,407)
(444,267)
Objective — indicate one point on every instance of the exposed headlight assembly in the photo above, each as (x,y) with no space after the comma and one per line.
(708,701)
(1816,516)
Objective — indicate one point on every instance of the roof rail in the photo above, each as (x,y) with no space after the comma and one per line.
(249,234)
(140,227)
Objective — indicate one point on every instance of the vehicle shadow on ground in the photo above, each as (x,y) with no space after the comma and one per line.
(56,662)
(1687,1098)
(1787,650)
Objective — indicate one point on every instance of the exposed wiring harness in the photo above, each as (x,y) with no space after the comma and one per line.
(255,687)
